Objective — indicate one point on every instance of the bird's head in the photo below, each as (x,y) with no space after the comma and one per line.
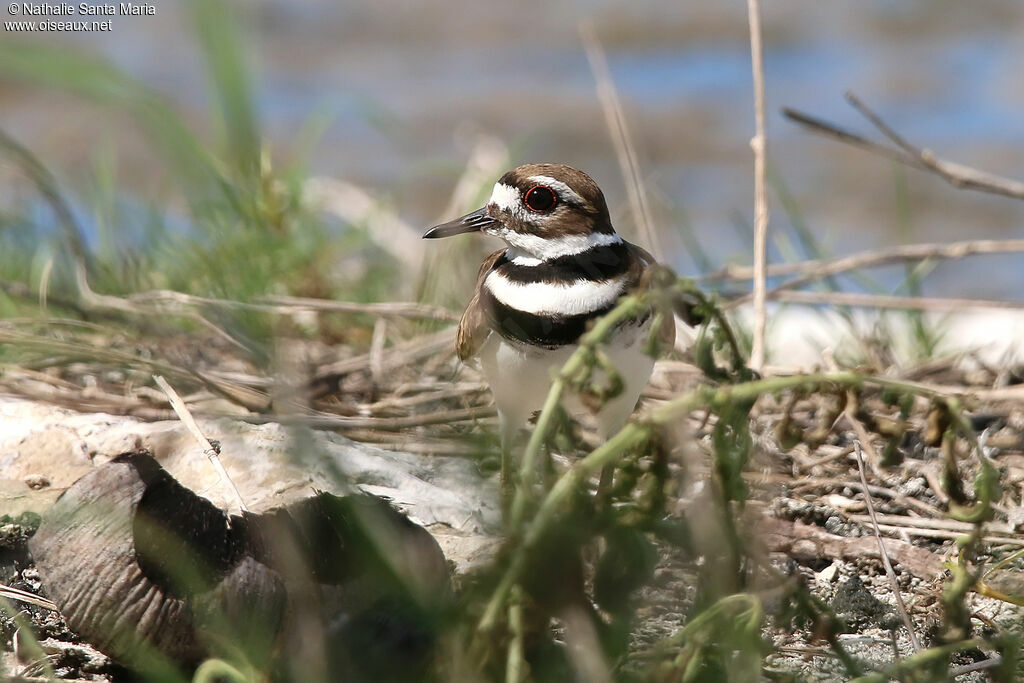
(542,211)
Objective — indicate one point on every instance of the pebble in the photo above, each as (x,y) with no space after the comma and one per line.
(828,574)
(36,481)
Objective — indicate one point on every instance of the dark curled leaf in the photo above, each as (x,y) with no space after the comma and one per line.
(733,444)
(626,564)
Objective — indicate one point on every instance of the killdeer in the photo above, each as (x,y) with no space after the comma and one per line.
(563,266)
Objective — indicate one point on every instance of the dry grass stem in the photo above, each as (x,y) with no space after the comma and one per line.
(414,443)
(759,144)
(67,349)
(622,140)
(397,309)
(326,421)
(905,521)
(809,483)
(885,556)
(983,665)
(12,593)
(162,301)
(356,206)
(817,269)
(681,548)
(910,303)
(454,390)
(938,534)
(957,175)
(186,418)
(399,355)
(875,460)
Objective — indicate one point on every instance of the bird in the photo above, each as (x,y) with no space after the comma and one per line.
(563,266)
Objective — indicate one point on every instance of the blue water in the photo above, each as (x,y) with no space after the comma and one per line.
(402,83)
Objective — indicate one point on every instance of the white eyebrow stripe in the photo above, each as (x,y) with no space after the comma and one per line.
(548,298)
(563,190)
(506,198)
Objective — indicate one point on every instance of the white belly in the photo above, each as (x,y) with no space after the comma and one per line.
(520,377)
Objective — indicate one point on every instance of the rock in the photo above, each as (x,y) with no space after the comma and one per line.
(273,467)
(855,603)
(828,574)
(270,464)
(77,655)
(36,481)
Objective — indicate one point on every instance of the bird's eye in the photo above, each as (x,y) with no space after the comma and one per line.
(540,198)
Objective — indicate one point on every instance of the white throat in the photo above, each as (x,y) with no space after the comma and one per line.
(526,247)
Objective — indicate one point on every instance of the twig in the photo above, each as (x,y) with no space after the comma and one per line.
(22,291)
(625,151)
(811,463)
(759,145)
(857,299)
(955,174)
(91,300)
(801,541)
(78,350)
(862,433)
(885,555)
(983,665)
(160,300)
(904,531)
(904,521)
(325,421)
(186,418)
(453,390)
(73,399)
(415,443)
(920,661)
(356,206)
(49,679)
(12,593)
(401,354)
(807,483)
(397,309)
(821,268)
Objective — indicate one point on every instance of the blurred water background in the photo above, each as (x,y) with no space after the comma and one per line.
(394,94)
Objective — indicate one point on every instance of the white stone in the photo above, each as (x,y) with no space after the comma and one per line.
(270,464)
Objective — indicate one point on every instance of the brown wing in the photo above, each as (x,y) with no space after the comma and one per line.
(474,328)
(640,262)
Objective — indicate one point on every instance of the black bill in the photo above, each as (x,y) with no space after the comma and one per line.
(471,222)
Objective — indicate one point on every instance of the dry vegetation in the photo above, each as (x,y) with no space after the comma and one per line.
(861,521)
(738,528)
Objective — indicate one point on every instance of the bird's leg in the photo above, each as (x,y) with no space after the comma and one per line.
(605,430)
(506,486)
(506,483)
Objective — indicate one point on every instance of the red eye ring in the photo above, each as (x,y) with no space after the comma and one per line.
(540,199)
